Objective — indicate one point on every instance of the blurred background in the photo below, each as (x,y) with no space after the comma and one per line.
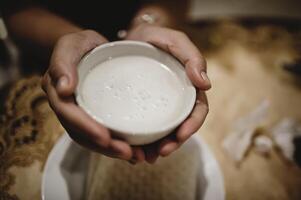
(197,17)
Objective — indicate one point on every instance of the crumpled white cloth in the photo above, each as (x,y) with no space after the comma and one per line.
(284,133)
(240,138)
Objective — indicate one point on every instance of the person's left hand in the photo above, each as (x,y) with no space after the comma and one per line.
(180,46)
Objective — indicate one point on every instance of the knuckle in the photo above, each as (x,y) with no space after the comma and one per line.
(71,39)
(63,39)
(84,35)
(52,72)
(203,60)
(198,60)
(58,63)
(89,39)
(171,46)
(88,33)
(81,38)
(56,67)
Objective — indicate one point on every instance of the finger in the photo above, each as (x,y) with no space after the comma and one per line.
(198,76)
(195,120)
(121,149)
(168,145)
(70,113)
(151,153)
(66,55)
(138,154)
(116,149)
(190,126)
(180,46)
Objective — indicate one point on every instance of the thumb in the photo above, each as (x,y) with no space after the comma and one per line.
(196,71)
(66,84)
(66,55)
(63,77)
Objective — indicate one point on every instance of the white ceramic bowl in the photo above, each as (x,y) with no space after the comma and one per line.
(64,177)
(133,48)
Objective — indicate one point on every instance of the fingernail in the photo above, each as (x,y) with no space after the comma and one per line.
(62,83)
(205,77)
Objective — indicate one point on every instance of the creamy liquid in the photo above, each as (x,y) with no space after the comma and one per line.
(133,94)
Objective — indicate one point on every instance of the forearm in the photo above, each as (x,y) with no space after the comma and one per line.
(39,26)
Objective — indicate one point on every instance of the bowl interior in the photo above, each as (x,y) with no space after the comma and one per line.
(127,48)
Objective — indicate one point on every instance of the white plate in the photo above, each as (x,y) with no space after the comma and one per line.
(67,164)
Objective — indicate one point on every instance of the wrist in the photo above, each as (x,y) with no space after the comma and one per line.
(146,18)
(151,15)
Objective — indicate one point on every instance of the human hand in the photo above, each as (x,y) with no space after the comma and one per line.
(180,46)
(59,83)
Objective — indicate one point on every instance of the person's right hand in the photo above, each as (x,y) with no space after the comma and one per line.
(59,83)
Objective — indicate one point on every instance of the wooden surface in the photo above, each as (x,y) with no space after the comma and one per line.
(245,66)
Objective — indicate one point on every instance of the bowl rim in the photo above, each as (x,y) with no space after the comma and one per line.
(172,124)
